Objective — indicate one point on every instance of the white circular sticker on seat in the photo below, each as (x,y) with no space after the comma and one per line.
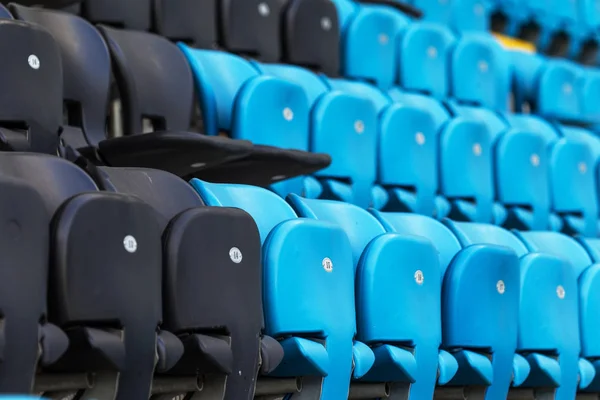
(130,244)
(419,277)
(34,61)
(327,264)
(235,254)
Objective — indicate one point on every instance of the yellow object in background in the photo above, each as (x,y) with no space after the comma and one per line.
(514,44)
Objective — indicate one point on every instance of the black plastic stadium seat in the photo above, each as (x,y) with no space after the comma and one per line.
(212,293)
(29,119)
(190,21)
(24,241)
(129,14)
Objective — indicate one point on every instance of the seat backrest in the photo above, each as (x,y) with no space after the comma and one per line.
(190,21)
(408,152)
(425,57)
(86,72)
(557,90)
(133,14)
(97,281)
(252,27)
(31,114)
(161,91)
(312,35)
(369,45)
(588,86)
(480,72)
(466,165)
(573,178)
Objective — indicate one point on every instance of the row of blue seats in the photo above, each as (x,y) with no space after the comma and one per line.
(468,157)
(458,304)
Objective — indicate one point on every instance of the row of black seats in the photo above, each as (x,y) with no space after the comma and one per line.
(137,290)
(148,94)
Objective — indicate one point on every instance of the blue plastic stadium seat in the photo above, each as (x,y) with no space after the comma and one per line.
(548,87)
(311,307)
(590,346)
(406,151)
(404,338)
(424,58)
(369,34)
(480,294)
(343,125)
(578,174)
(480,72)
(571,284)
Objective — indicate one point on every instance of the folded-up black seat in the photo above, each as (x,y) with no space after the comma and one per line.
(24,241)
(212,291)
